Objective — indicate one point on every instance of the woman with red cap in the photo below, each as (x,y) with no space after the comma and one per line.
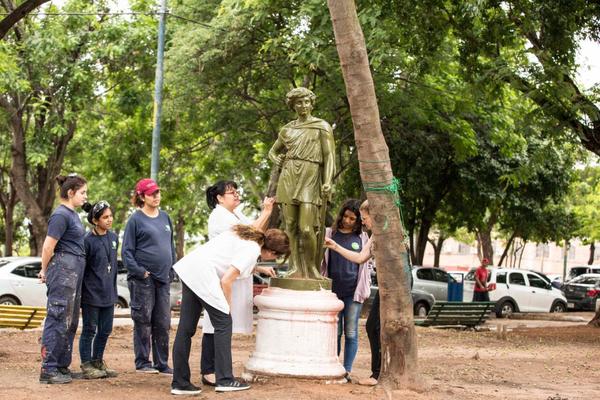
(149,255)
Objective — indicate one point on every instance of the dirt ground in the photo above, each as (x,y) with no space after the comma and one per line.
(559,361)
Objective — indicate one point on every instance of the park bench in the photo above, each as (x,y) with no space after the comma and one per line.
(455,313)
(22,317)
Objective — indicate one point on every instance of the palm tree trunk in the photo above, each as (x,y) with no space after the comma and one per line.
(398,338)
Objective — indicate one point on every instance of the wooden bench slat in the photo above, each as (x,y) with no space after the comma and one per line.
(22,317)
(446,313)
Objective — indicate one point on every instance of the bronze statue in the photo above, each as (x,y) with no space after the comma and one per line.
(304,150)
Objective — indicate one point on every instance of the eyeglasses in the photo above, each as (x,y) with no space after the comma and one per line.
(234,193)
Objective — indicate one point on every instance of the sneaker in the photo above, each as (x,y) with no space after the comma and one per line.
(54,377)
(166,371)
(187,390)
(147,370)
(368,381)
(348,377)
(231,386)
(91,372)
(209,380)
(64,370)
(101,365)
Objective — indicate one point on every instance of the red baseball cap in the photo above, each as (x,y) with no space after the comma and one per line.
(146,186)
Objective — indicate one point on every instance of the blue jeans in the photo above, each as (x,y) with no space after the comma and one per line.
(97,326)
(348,325)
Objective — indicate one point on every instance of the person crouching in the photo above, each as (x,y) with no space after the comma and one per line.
(207,276)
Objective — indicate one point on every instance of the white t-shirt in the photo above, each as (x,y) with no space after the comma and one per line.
(221,220)
(202,269)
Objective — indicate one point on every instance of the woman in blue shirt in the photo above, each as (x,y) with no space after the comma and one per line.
(149,254)
(63,260)
(99,290)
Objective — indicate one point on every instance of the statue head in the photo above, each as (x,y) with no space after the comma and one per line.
(298,93)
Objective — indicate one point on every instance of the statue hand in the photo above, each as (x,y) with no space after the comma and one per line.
(326,189)
(277,159)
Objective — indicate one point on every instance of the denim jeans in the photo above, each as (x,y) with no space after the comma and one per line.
(63,280)
(348,325)
(97,326)
(151,315)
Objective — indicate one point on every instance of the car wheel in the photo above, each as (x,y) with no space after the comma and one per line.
(121,303)
(421,310)
(505,309)
(9,301)
(558,306)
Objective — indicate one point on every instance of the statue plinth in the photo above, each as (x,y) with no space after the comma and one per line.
(301,284)
(296,335)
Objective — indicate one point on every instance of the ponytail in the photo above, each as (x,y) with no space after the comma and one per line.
(70,182)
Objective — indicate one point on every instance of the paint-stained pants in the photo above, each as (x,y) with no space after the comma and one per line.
(63,280)
(151,314)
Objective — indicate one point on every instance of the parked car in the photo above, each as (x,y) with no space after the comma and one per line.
(19,282)
(124,297)
(433,281)
(574,272)
(20,285)
(518,290)
(554,279)
(582,292)
(422,302)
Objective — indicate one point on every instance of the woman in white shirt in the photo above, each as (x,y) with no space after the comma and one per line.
(208,285)
(224,199)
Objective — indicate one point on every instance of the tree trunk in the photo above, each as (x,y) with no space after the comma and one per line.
(437,249)
(180,236)
(522,251)
(422,239)
(484,237)
(505,252)
(8,202)
(592,253)
(398,338)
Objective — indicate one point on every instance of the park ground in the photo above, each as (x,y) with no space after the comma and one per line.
(545,360)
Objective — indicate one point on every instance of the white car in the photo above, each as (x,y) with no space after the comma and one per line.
(20,285)
(518,290)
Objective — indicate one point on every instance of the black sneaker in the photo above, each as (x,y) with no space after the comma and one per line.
(54,377)
(231,386)
(187,390)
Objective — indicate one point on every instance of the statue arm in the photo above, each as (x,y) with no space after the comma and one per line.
(275,154)
(328,148)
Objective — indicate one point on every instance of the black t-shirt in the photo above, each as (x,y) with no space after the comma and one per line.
(344,273)
(65,226)
(100,276)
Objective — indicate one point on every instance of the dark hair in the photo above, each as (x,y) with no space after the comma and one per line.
(218,189)
(352,205)
(72,182)
(95,211)
(273,239)
(137,200)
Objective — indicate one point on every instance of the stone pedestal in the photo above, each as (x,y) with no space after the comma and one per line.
(296,335)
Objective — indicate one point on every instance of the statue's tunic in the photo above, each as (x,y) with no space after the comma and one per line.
(301,174)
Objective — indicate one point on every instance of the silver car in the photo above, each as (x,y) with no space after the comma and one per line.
(433,281)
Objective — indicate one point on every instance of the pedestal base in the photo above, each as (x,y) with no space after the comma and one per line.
(296,335)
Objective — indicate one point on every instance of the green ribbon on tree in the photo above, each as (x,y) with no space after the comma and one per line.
(392,188)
